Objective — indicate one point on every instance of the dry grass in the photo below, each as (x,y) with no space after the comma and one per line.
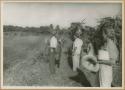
(25,65)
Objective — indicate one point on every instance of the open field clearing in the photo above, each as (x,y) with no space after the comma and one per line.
(26,65)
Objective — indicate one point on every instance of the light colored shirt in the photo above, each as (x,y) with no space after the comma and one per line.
(103,55)
(53,42)
(78,45)
(112,49)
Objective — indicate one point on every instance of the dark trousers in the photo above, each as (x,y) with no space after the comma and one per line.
(52,60)
(92,77)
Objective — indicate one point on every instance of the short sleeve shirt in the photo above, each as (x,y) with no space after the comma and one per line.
(78,45)
(53,42)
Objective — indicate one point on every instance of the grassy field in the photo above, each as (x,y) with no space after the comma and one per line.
(25,64)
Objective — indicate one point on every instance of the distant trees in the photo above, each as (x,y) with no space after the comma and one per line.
(41,29)
(12,28)
(87,31)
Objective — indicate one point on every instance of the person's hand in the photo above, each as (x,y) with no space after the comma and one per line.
(92,61)
(99,61)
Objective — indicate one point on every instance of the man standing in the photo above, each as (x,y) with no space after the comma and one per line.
(53,47)
(77,45)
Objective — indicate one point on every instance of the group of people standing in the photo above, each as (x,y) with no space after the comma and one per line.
(96,62)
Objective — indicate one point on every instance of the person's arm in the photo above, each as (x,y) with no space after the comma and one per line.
(88,48)
(46,48)
(110,62)
(74,49)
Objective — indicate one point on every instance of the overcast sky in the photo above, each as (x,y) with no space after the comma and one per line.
(41,14)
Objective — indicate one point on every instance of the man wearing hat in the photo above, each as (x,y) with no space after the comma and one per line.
(77,45)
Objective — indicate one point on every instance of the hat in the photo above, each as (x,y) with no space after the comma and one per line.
(89,62)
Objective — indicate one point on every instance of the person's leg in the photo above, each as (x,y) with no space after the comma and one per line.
(74,63)
(54,60)
(78,59)
(58,59)
(105,76)
(59,56)
(52,63)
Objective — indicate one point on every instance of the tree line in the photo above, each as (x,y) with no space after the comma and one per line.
(88,32)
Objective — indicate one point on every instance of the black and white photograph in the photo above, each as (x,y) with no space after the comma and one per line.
(62,44)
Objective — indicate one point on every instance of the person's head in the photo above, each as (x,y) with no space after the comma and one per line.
(76,35)
(111,33)
(108,33)
(79,31)
(54,33)
(101,37)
